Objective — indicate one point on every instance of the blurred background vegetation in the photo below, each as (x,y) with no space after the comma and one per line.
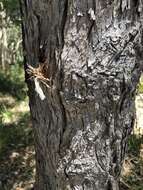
(16,140)
(17,166)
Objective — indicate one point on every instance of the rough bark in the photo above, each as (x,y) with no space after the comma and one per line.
(83,61)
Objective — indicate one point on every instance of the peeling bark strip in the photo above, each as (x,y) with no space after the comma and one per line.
(92,54)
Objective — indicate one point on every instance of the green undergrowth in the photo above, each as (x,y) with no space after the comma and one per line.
(132,177)
(140,86)
(12,82)
(16,137)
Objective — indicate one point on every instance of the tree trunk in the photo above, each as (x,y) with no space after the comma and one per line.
(83,61)
(3,38)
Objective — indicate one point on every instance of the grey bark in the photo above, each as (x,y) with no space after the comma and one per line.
(83,60)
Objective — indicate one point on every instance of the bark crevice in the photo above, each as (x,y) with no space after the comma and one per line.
(92,55)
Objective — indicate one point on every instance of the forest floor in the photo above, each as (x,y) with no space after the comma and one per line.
(132,173)
(17,165)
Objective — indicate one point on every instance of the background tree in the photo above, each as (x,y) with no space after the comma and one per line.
(10,34)
(83,61)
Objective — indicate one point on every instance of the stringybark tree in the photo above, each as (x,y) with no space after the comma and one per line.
(83,60)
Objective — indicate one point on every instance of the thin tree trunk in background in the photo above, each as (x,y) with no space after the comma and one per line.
(3,38)
(4,49)
(83,60)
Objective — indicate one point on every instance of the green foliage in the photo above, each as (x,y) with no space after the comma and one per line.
(12,10)
(15,43)
(16,138)
(15,134)
(134,144)
(140,86)
(12,82)
(134,163)
(5,114)
(11,22)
